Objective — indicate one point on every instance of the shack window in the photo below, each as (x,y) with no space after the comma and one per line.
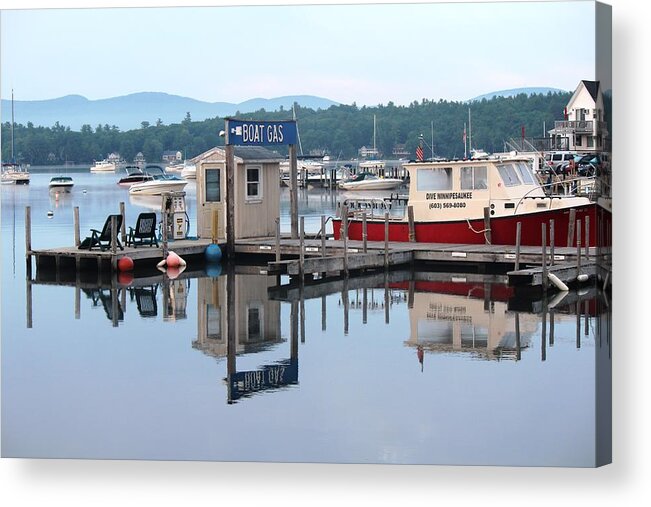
(508,174)
(474,178)
(253,183)
(213,185)
(434,179)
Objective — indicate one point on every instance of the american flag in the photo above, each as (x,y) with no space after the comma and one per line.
(419,153)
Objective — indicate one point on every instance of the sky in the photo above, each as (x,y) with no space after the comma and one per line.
(367,54)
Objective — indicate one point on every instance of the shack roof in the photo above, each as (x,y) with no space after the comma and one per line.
(243,153)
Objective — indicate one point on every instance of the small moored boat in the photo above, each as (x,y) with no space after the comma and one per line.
(134,175)
(159,183)
(61,183)
(103,166)
(369,181)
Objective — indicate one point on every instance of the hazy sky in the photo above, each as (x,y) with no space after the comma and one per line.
(368,54)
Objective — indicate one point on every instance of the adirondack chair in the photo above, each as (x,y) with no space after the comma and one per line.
(102,239)
(144,232)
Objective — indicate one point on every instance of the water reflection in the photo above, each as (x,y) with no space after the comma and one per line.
(239,313)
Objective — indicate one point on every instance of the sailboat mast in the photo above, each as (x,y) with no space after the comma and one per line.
(374,127)
(13,160)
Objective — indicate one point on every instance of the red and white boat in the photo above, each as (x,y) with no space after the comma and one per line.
(449,199)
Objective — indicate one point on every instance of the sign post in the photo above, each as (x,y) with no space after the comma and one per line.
(258,133)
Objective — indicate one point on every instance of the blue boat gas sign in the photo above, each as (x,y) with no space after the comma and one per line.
(260,133)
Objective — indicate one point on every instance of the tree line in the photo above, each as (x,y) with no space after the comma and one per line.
(339,131)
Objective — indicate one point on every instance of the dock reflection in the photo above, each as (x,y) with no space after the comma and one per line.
(238,313)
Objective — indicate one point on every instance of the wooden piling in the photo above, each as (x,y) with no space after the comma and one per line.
(364,305)
(518,236)
(277,239)
(344,221)
(114,234)
(364,233)
(552,242)
(545,281)
(324,313)
(28,230)
(293,190)
(570,227)
(323,236)
(123,226)
(76,226)
(386,240)
(543,337)
(164,240)
(578,247)
(412,227)
(301,253)
(230,202)
(587,236)
(518,348)
(487,226)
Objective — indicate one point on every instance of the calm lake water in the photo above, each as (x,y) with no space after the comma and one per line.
(424,367)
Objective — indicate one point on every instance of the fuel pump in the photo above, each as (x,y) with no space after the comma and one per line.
(173,206)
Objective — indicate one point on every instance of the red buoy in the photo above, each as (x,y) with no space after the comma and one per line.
(125,264)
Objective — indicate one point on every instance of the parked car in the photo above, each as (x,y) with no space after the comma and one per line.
(555,161)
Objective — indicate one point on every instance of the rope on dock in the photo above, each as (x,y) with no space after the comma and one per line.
(483,231)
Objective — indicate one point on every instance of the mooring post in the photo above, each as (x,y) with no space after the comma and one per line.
(587,236)
(552,242)
(344,221)
(364,233)
(570,227)
(518,235)
(293,190)
(76,225)
(277,239)
(114,234)
(230,200)
(544,257)
(123,227)
(412,228)
(28,241)
(165,235)
(386,240)
(578,247)
(323,221)
(301,254)
(487,226)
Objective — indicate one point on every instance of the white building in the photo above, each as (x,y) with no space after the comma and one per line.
(584,128)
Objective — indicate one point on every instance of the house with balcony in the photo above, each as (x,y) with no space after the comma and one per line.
(584,128)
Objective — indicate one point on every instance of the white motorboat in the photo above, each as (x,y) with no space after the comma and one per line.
(14,174)
(368,181)
(61,183)
(103,166)
(158,184)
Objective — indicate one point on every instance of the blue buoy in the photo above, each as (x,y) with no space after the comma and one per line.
(213,253)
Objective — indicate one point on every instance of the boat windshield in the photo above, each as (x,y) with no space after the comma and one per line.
(525,172)
(508,174)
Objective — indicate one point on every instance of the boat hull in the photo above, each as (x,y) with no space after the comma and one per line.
(382,184)
(156,189)
(503,229)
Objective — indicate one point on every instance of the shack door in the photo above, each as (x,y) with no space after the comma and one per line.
(210,197)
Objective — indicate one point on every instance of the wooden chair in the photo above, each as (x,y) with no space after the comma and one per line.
(102,239)
(144,232)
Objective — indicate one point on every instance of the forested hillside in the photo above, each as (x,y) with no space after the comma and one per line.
(339,131)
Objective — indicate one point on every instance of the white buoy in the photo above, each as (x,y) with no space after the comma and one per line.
(582,278)
(50,214)
(557,281)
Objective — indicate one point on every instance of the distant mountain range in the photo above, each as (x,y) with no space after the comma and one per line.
(518,91)
(129,111)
